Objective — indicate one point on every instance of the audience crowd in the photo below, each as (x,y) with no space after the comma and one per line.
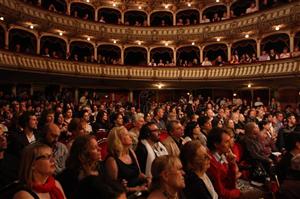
(190,148)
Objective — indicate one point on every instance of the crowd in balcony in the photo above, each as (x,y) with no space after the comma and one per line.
(190,147)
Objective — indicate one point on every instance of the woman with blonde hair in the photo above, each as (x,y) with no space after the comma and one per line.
(167,178)
(36,170)
(122,163)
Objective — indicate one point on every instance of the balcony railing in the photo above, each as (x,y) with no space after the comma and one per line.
(259,70)
(285,14)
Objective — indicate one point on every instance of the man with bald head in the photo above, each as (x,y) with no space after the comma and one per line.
(50,135)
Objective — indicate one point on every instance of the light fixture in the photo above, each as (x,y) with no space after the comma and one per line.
(31,26)
(189,4)
(2,18)
(159,85)
(234,94)
(188,93)
(139,43)
(88,39)
(60,33)
(166,6)
(114,4)
(217,1)
(218,39)
(246,36)
(140,7)
(193,43)
(166,44)
(277,28)
(249,85)
(88,1)
(115,41)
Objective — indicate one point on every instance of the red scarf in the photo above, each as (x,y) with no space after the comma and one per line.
(49,187)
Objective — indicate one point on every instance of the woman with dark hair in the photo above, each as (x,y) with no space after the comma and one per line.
(84,160)
(196,161)
(167,178)
(118,120)
(36,170)
(101,123)
(193,131)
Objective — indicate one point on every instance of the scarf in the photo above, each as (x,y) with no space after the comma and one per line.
(49,187)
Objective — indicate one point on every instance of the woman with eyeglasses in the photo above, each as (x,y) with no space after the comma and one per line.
(36,170)
(196,161)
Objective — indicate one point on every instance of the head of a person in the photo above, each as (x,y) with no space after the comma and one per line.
(28,120)
(251,128)
(192,130)
(37,160)
(50,133)
(175,128)
(264,125)
(279,116)
(291,119)
(69,113)
(150,131)
(118,140)
(102,117)
(218,140)
(58,118)
(205,123)
(138,120)
(167,171)
(84,115)
(75,127)
(158,112)
(194,157)
(84,151)
(118,119)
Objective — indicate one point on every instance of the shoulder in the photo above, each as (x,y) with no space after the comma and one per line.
(23,195)
(156,195)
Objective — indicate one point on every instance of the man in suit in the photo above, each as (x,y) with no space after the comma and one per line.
(173,142)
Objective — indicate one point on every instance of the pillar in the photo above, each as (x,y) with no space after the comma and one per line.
(6,44)
(76,95)
(38,46)
(95,52)
(257,4)
(201,54)
(174,19)
(68,8)
(131,96)
(258,42)
(122,55)
(148,19)
(174,57)
(14,90)
(229,52)
(292,40)
(200,16)
(68,53)
(96,15)
(122,18)
(31,90)
(228,10)
(148,56)
(113,98)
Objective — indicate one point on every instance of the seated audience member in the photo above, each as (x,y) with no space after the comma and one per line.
(75,128)
(290,188)
(293,149)
(285,131)
(196,161)
(224,16)
(179,22)
(219,61)
(174,141)
(94,187)
(273,55)
(285,54)
(205,126)
(84,160)
(102,20)
(8,163)
(101,123)
(192,130)
(160,63)
(264,56)
(118,120)
(205,19)
(50,135)
(254,58)
(234,60)
(149,147)
(206,62)
(122,163)
(158,118)
(252,8)
(36,170)
(222,169)
(216,18)
(296,52)
(167,178)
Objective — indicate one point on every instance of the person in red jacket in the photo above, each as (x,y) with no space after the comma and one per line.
(222,171)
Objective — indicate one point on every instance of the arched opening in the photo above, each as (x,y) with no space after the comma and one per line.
(135,18)
(244,47)
(55,5)
(109,15)
(22,41)
(56,47)
(135,56)
(2,37)
(187,17)
(81,51)
(161,18)
(83,11)
(161,56)
(214,13)
(239,7)
(188,56)
(109,54)
(214,50)
(277,42)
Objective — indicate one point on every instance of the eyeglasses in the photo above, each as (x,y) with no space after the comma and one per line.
(45,157)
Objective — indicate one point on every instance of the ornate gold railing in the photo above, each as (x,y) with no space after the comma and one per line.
(286,14)
(265,70)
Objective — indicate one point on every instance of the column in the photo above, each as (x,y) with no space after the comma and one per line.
(68,54)
(113,96)
(228,10)
(122,17)
(174,19)
(229,52)
(31,90)
(200,16)
(95,52)
(201,54)
(174,56)
(96,15)
(68,8)
(131,96)
(148,19)
(76,95)
(38,45)
(14,90)
(257,4)
(292,40)
(148,56)
(122,55)
(6,40)
(258,41)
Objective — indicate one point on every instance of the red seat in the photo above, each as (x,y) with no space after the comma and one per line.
(163,135)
